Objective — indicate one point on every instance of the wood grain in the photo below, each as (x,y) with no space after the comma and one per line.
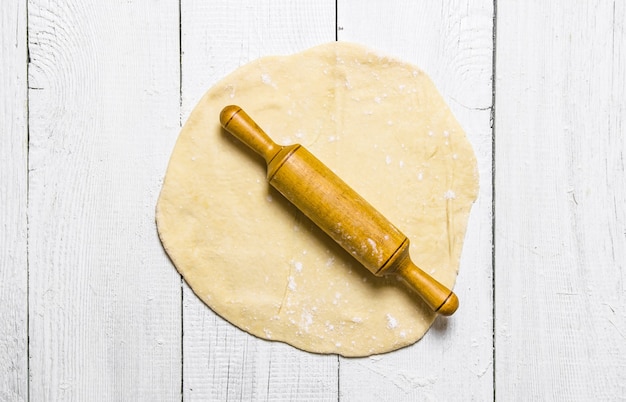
(13,203)
(453,44)
(222,362)
(561,191)
(104,108)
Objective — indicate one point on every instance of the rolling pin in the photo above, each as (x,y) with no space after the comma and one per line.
(338,210)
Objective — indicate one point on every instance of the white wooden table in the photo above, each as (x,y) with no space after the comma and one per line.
(92,96)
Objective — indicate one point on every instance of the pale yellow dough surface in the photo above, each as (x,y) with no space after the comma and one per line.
(381,125)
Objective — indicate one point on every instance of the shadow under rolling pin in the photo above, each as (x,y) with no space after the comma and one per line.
(338,210)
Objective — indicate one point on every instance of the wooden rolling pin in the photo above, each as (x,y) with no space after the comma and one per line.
(338,210)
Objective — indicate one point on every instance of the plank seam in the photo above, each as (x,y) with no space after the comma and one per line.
(338,357)
(493,195)
(336,20)
(180,124)
(27,38)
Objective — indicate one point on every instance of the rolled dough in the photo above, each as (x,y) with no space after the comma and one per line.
(377,122)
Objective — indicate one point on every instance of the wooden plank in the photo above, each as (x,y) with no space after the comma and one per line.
(13,203)
(104,110)
(561,191)
(220,361)
(452,43)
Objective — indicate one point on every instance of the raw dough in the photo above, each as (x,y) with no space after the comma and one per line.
(381,125)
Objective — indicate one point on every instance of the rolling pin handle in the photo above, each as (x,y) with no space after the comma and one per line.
(238,123)
(438,297)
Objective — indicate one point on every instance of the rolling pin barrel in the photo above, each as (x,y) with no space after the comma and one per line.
(338,210)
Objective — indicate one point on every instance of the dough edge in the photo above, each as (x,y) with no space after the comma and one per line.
(173,245)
